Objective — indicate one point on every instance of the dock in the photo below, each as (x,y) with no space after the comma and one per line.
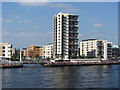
(11,66)
(58,64)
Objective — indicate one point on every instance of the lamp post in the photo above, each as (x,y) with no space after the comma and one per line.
(20,56)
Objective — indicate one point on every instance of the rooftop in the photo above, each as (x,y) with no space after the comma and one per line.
(89,39)
(67,13)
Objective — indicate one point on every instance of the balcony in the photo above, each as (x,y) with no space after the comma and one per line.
(72,49)
(65,34)
(73,38)
(74,35)
(65,50)
(76,19)
(74,25)
(73,32)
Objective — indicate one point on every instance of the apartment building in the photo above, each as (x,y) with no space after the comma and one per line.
(6,50)
(119,50)
(115,51)
(32,51)
(13,51)
(35,50)
(48,51)
(24,52)
(96,48)
(65,40)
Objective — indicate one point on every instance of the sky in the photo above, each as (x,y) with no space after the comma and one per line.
(28,23)
(60,0)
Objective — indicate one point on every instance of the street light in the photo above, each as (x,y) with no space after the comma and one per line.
(20,56)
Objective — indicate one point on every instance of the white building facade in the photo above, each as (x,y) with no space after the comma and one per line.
(65,40)
(48,51)
(6,50)
(96,48)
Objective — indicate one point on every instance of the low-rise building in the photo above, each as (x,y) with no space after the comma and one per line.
(6,50)
(48,51)
(34,51)
(96,48)
(24,52)
(115,51)
(13,51)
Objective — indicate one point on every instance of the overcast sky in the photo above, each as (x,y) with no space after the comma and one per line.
(31,23)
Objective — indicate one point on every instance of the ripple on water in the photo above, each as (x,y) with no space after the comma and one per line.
(61,77)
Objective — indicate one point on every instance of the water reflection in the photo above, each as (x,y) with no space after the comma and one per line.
(84,76)
(105,76)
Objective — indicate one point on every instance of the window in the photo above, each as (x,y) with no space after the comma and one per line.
(3,50)
(3,47)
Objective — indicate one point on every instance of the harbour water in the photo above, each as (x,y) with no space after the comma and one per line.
(37,76)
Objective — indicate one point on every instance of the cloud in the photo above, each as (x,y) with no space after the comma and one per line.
(80,35)
(0,19)
(60,0)
(99,35)
(65,7)
(86,0)
(37,26)
(17,17)
(24,21)
(33,3)
(9,20)
(51,33)
(95,19)
(29,38)
(24,0)
(6,20)
(61,5)
(98,25)
(32,34)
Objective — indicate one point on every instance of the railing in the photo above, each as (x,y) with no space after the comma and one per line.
(10,62)
(4,61)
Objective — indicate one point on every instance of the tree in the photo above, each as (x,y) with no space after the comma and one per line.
(14,57)
(37,56)
(48,59)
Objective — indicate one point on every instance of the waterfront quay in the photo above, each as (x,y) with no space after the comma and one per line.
(83,63)
(10,64)
(35,61)
(45,63)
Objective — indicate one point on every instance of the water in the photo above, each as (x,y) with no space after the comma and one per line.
(36,76)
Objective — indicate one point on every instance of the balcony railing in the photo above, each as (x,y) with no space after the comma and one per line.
(73,38)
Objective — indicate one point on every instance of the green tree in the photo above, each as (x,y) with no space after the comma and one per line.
(48,59)
(37,56)
(14,57)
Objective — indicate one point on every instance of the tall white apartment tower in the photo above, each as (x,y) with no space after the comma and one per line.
(65,40)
